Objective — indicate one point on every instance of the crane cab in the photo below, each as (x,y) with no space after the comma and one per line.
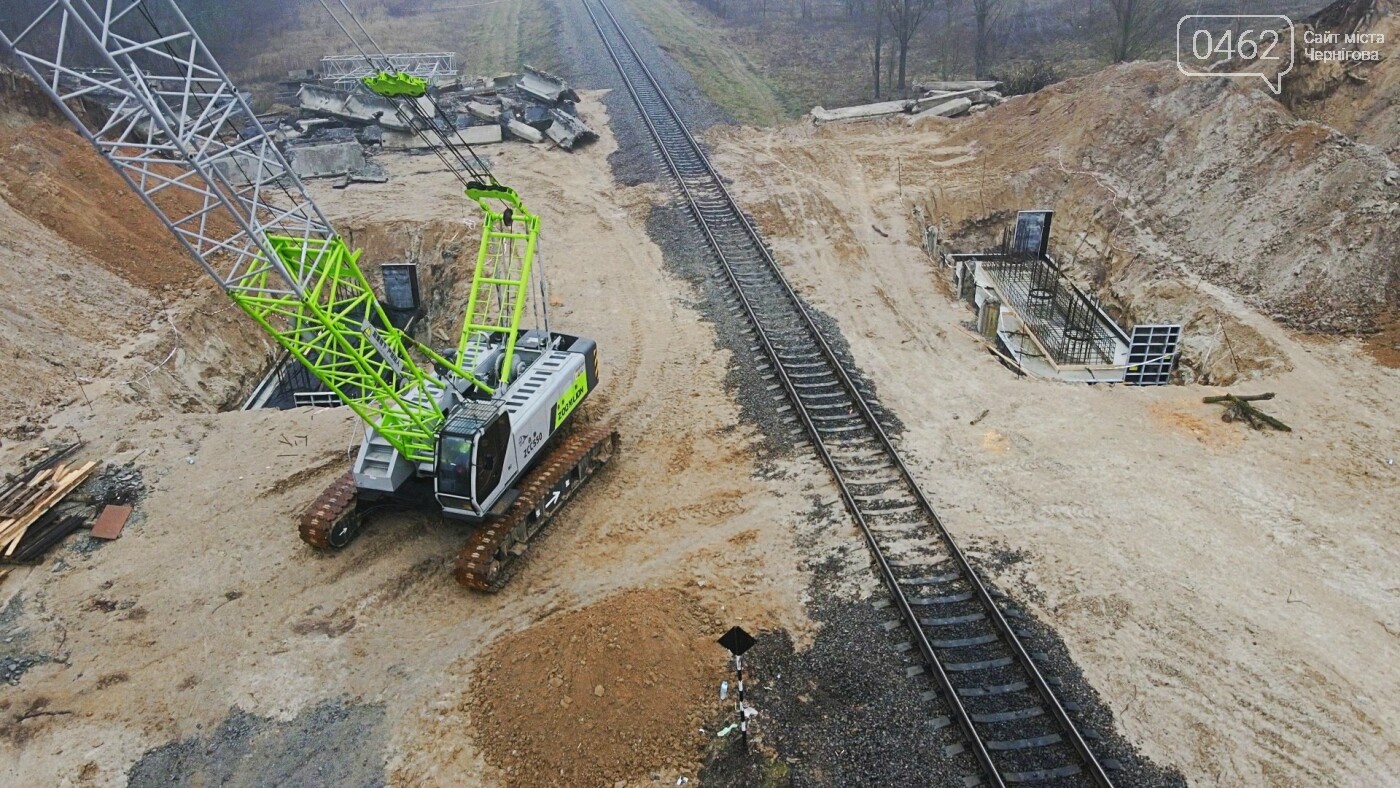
(476,460)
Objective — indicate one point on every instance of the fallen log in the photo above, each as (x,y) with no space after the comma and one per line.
(1239,398)
(1238,408)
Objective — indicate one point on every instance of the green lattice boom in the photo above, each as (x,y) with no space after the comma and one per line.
(339,332)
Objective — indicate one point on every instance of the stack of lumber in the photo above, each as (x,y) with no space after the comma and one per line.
(29,499)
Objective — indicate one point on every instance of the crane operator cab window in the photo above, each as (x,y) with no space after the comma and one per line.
(472,457)
(491,456)
(455,460)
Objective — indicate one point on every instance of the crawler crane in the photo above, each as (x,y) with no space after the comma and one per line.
(481,432)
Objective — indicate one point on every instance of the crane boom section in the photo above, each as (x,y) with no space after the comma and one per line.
(501,282)
(176,129)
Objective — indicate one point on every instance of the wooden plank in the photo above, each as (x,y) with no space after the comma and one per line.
(25,498)
(110,523)
(66,482)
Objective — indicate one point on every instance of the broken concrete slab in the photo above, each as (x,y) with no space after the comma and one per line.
(370,173)
(948,109)
(371,135)
(484,111)
(325,161)
(359,108)
(537,116)
(905,106)
(568,131)
(242,169)
(955,86)
(859,112)
(546,86)
(975,95)
(471,135)
(524,131)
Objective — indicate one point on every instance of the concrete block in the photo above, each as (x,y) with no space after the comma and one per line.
(568,131)
(472,135)
(324,161)
(524,131)
(358,108)
(242,169)
(484,111)
(546,86)
(947,109)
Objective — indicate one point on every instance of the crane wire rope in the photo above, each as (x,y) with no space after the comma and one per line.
(483,175)
(479,171)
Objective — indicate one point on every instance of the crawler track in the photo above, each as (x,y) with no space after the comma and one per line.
(331,520)
(496,547)
(1012,725)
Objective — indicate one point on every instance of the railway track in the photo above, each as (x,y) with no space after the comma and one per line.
(1011,723)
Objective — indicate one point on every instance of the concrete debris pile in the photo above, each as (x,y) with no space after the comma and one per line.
(936,100)
(336,133)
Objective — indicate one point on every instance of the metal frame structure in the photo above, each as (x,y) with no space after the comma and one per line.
(178,132)
(1152,355)
(344,72)
(501,281)
(1064,319)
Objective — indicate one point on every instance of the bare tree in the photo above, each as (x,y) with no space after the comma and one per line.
(948,38)
(904,17)
(987,14)
(1136,25)
(878,46)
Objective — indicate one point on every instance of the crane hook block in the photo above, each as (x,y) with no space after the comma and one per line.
(393,84)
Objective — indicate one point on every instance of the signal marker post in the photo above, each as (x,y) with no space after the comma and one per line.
(737,641)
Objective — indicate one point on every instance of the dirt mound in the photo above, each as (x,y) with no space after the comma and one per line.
(52,176)
(1215,177)
(99,295)
(1356,97)
(610,692)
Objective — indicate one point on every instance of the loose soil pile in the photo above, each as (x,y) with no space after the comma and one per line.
(602,694)
(1355,97)
(98,293)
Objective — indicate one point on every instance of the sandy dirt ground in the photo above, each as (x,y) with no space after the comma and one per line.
(209,602)
(1232,594)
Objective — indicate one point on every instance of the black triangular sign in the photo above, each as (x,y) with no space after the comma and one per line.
(737,641)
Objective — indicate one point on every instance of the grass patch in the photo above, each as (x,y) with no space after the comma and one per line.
(717,61)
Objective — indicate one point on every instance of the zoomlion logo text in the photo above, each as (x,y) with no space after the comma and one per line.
(571,399)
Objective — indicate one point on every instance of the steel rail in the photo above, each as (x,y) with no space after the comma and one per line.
(949,693)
